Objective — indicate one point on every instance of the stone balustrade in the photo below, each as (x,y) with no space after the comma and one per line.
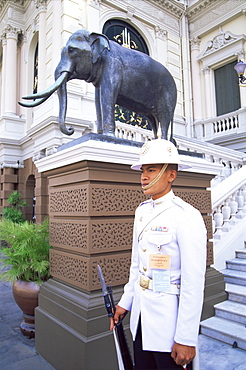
(224,125)
(228,208)
(229,203)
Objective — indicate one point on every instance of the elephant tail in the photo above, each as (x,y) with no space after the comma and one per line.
(171,135)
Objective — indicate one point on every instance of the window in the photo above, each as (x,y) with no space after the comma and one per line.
(127,36)
(226,89)
(35,72)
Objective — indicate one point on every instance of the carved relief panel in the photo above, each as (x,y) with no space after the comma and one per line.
(91,223)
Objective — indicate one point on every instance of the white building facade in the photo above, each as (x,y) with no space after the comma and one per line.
(198,41)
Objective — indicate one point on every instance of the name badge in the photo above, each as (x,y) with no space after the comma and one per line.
(161,280)
(159,262)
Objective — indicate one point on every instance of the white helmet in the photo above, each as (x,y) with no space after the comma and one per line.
(159,151)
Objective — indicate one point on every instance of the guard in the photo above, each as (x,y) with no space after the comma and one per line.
(166,283)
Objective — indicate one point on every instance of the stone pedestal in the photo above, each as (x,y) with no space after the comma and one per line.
(91,210)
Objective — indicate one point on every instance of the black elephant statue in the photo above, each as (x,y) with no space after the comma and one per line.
(120,75)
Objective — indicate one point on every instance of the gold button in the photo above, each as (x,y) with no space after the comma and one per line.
(144,249)
(145,268)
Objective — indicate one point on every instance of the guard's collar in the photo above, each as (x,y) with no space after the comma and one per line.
(162,199)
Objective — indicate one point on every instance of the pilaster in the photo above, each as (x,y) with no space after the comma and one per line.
(41,5)
(10,70)
(196,79)
(208,90)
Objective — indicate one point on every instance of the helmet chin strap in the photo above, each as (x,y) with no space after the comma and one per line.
(157,178)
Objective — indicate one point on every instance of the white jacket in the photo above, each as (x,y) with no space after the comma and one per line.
(167,318)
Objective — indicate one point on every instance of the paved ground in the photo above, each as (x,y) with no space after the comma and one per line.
(18,353)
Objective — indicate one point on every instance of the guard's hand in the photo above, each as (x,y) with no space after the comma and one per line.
(183,355)
(119,313)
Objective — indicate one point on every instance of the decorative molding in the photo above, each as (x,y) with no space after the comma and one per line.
(161,33)
(221,40)
(209,14)
(11,32)
(95,3)
(130,12)
(41,5)
(206,70)
(171,6)
(240,54)
(195,43)
(4,2)
(198,7)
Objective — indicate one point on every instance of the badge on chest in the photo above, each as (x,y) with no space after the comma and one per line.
(160,265)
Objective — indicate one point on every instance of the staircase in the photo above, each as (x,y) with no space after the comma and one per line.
(229,323)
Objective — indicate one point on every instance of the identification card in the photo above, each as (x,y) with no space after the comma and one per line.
(159,261)
(161,280)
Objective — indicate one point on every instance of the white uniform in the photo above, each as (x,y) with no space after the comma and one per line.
(171,227)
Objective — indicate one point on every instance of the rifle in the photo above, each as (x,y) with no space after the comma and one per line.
(120,336)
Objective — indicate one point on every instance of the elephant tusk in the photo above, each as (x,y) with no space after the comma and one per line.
(34,103)
(50,90)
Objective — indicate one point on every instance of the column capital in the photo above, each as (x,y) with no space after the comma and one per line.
(41,5)
(3,39)
(195,43)
(206,70)
(10,32)
(240,54)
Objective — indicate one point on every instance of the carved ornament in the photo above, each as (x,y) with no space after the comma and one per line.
(219,41)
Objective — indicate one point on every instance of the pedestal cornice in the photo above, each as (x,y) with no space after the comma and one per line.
(112,151)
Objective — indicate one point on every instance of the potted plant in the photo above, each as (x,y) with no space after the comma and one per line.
(25,260)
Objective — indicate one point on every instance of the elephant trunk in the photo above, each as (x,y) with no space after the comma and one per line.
(62,95)
(39,98)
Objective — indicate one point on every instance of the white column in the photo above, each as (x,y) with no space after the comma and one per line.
(4,46)
(196,79)
(56,33)
(10,88)
(22,70)
(208,91)
(186,75)
(41,5)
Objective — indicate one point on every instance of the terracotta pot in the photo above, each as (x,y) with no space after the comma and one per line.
(26,297)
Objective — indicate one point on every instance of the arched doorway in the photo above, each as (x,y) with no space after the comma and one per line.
(30,213)
(127,36)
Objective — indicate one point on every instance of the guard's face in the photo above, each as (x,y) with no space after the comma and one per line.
(163,186)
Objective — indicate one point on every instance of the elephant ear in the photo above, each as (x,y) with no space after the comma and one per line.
(99,43)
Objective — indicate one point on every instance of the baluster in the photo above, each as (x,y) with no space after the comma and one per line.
(227,170)
(244,197)
(240,201)
(226,212)
(218,219)
(234,206)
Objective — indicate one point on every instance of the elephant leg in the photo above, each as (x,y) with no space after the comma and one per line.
(165,120)
(107,101)
(154,124)
(98,111)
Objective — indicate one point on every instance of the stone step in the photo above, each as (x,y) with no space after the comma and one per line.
(236,293)
(241,253)
(232,311)
(236,264)
(225,331)
(234,277)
